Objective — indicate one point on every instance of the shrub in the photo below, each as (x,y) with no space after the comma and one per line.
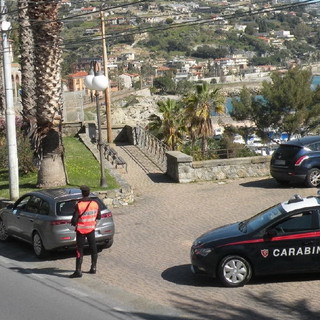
(25,154)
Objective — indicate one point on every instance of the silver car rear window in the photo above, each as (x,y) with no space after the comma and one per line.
(66,208)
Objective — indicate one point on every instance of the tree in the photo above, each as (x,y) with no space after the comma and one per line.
(165,84)
(184,86)
(2,95)
(243,106)
(206,52)
(199,106)
(301,30)
(288,105)
(170,128)
(28,98)
(46,133)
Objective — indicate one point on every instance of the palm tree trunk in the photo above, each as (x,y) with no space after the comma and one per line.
(27,68)
(2,95)
(204,146)
(48,57)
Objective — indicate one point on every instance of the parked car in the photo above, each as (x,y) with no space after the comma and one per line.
(43,218)
(238,139)
(297,161)
(280,240)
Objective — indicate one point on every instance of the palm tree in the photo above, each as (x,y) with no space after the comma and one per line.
(2,95)
(27,68)
(47,55)
(199,106)
(170,128)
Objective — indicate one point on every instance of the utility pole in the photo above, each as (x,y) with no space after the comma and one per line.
(10,114)
(107,91)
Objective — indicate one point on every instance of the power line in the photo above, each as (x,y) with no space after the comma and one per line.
(81,14)
(128,32)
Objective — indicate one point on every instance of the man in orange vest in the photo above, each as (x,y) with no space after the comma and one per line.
(86,213)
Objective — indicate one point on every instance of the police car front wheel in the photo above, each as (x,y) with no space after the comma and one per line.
(234,271)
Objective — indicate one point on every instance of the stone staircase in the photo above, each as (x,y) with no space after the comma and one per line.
(143,174)
(134,154)
(140,158)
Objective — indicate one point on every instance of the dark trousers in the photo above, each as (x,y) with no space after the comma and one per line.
(81,241)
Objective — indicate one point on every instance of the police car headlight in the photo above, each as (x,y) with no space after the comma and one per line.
(196,243)
(203,251)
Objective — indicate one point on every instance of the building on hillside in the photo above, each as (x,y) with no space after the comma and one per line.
(75,81)
(181,75)
(198,71)
(128,56)
(66,3)
(162,71)
(283,34)
(116,21)
(125,81)
(85,63)
(88,9)
(224,66)
(240,27)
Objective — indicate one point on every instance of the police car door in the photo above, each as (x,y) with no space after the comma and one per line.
(290,245)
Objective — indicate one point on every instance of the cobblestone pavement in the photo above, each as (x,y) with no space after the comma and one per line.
(149,260)
(151,252)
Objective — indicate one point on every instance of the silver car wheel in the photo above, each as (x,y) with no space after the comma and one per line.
(313,177)
(38,246)
(234,271)
(3,231)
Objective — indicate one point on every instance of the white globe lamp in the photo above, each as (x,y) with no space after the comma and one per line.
(100,82)
(89,79)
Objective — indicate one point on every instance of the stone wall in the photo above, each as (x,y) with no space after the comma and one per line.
(182,169)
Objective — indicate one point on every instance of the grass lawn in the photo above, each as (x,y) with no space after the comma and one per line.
(81,165)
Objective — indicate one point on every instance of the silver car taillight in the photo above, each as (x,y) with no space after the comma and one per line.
(106,215)
(59,222)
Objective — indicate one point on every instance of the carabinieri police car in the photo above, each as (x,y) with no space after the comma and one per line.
(282,239)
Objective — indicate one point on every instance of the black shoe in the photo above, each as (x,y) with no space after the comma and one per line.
(76,274)
(93,270)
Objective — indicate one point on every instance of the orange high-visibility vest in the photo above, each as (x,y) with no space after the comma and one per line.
(87,216)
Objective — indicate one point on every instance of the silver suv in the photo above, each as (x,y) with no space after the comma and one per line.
(43,218)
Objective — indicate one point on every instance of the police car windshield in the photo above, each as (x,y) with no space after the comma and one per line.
(261,219)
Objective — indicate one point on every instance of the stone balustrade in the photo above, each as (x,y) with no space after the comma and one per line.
(182,169)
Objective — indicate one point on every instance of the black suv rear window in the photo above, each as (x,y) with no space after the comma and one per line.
(314,146)
(66,208)
(287,151)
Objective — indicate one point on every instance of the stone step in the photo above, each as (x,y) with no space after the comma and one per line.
(139,157)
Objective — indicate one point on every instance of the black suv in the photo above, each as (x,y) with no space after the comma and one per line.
(297,161)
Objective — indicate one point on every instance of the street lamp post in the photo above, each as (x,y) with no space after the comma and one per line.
(95,80)
(10,113)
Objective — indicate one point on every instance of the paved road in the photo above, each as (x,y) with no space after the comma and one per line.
(147,268)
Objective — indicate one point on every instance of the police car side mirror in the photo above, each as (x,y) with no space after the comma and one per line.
(271,233)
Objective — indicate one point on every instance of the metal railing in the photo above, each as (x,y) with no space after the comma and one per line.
(151,146)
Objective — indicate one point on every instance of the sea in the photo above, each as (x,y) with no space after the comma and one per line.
(314,84)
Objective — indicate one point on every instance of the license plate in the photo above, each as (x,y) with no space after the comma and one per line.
(280,162)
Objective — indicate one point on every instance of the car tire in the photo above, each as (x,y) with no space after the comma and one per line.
(4,236)
(234,271)
(38,247)
(313,178)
